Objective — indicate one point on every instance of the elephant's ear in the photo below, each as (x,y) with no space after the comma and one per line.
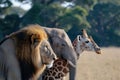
(50,31)
(47,30)
(71,64)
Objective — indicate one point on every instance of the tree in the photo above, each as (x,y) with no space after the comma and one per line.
(87,4)
(105,19)
(4,4)
(102,15)
(9,24)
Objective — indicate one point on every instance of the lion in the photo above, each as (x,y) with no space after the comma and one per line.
(31,53)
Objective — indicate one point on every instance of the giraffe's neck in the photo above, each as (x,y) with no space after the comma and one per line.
(79,48)
(58,71)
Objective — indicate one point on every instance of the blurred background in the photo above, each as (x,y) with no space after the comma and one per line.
(101,18)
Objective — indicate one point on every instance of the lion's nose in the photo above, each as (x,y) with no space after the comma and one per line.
(54,57)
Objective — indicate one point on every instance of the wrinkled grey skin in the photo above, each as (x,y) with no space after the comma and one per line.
(63,48)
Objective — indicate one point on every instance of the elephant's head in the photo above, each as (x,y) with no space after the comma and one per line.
(63,48)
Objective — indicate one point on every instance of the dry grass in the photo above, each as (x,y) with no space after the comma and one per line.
(105,66)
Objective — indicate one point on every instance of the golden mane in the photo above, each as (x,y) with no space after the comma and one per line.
(25,39)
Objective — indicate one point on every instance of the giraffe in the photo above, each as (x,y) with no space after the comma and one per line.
(61,67)
(85,43)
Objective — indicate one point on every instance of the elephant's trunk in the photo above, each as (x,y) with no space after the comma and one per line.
(72,59)
(72,74)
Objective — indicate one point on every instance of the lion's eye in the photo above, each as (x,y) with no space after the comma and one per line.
(46,48)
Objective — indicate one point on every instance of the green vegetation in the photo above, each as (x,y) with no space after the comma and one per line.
(101,18)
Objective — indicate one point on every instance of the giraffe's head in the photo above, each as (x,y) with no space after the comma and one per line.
(85,43)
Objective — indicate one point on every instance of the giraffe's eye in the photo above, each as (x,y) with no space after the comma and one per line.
(79,38)
(86,41)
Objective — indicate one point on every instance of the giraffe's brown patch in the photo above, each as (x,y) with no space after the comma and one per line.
(52,68)
(48,73)
(44,78)
(60,75)
(55,69)
(65,62)
(65,70)
(60,68)
(51,78)
(59,63)
(54,73)
(55,65)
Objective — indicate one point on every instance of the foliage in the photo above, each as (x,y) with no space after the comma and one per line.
(115,2)
(14,10)
(101,18)
(9,24)
(4,4)
(105,19)
(87,4)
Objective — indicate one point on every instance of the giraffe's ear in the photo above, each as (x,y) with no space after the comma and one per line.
(84,33)
(79,38)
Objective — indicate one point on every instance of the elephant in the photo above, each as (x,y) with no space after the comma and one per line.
(62,46)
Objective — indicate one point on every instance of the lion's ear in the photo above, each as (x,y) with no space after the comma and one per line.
(35,39)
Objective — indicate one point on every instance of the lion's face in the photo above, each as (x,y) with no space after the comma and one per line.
(47,54)
(36,48)
(42,52)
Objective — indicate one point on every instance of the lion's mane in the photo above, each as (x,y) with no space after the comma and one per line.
(26,52)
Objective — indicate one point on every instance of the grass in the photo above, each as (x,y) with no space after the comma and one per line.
(105,66)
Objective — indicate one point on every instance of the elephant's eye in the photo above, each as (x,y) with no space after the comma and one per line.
(63,45)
